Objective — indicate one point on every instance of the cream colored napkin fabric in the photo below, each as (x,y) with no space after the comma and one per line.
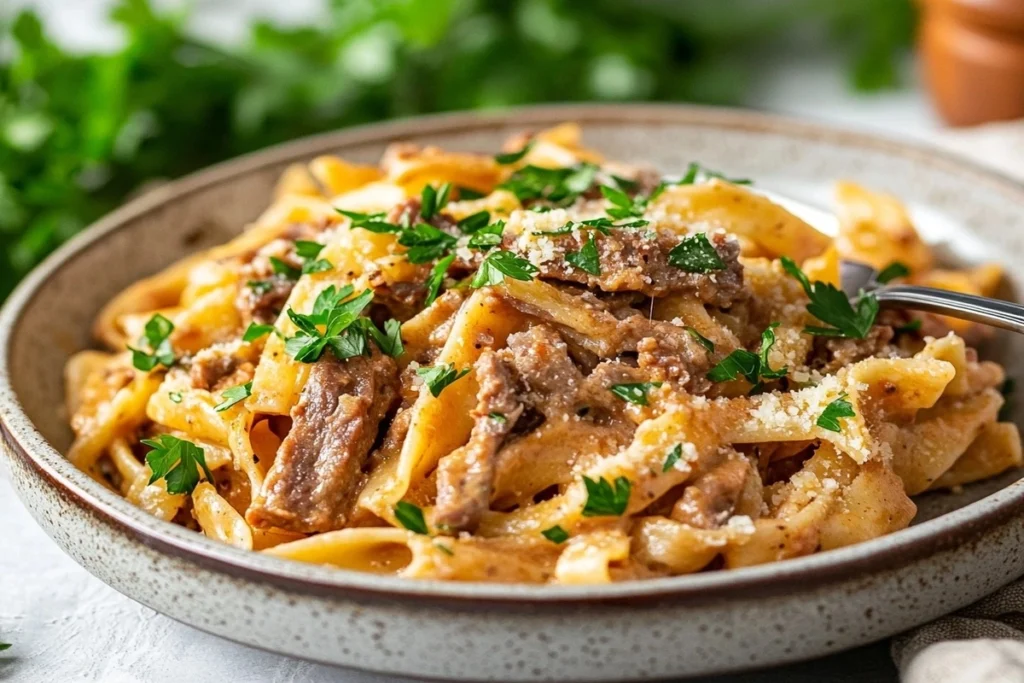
(983,643)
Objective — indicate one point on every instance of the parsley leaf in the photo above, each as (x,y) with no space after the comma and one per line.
(500,264)
(560,186)
(390,340)
(622,205)
(556,535)
(753,366)
(176,461)
(234,395)
(5,646)
(673,457)
(701,339)
(256,331)
(512,157)
(283,269)
(487,237)
(892,271)
(260,286)
(432,201)
(586,259)
(425,242)
(444,549)
(156,334)
(831,306)
(437,377)
(913,326)
(436,278)
(474,222)
(307,249)
(175,396)
(696,172)
(602,499)
(635,393)
(374,222)
(839,408)
(318,266)
(411,517)
(336,316)
(696,254)
(498,417)
(469,193)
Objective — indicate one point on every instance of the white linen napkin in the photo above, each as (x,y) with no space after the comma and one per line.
(983,643)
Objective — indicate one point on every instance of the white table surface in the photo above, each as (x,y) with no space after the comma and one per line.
(65,625)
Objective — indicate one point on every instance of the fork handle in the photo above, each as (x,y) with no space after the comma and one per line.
(979,309)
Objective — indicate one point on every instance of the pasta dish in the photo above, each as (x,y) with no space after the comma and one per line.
(538,366)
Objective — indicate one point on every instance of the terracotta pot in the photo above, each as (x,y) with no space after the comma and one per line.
(973,54)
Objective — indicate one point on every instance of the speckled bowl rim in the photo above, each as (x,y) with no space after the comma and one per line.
(24,441)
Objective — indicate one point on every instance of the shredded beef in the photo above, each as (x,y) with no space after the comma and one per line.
(263,306)
(631,260)
(465,477)
(220,366)
(832,354)
(541,358)
(312,484)
(709,501)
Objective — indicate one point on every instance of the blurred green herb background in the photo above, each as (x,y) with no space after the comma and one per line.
(79,132)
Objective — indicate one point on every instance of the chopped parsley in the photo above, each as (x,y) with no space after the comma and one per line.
(635,393)
(411,517)
(5,646)
(437,377)
(701,339)
(913,326)
(560,186)
(156,335)
(696,172)
(586,259)
(498,417)
(673,457)
(469,193)
(839,408)
(603,499)
(256,331)
(284,270)
(176,461)
(344,331)
(500,264)
(487,237)
(436,278)
(432,201)
(444,549)
(474,222)
(831,306)
(512,157)
(374,222)
(752,366)
(556,535)
(175,396)
(892,271)
(622,205)
(696,254)
(425,242)
(234,395)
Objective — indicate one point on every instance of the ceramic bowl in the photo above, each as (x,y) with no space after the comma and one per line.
(962,547)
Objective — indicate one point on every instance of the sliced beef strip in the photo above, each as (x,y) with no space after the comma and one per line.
(541,358)
(465,477)
(831,354)
(312,484)
(667,352)
(221,366)
(634,260)
(709,501)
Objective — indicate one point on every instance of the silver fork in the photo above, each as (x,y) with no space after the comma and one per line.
(858,277)
(855,277)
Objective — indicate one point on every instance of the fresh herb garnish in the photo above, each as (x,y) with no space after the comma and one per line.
(831,306)
(437,377)
(913,326)
(498,417)
(411,517)
(602,499)
(390,340)
(753,366)
(176,461)
(156,335)
(469,193)
(696,172)
(256,331)
(673,457)
(432,201)
(260,286)
(444,549)
(507,158)
(561,186)
(635,392)
(175,396)
(474,222)
(5,646)
(696,254)
(425,242)
(839,408)
(436,278)
(233,395)
(344,331)
(701,339)
(623,206)
(556,534)
(374,222)
(487,237)
(892,271)
(586,259)
(283,269)
(500,264)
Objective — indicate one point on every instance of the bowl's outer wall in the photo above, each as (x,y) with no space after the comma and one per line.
(659,635)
